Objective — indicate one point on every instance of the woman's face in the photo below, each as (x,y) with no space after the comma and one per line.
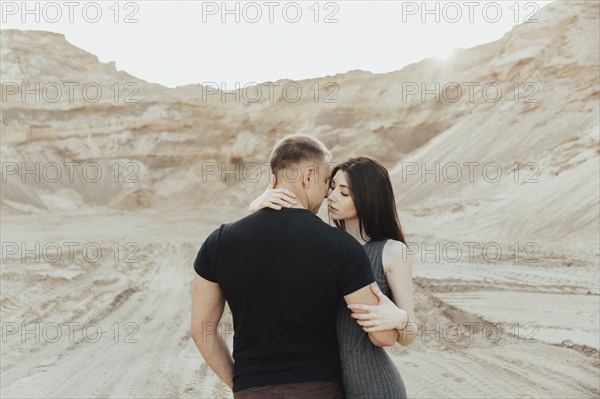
(339,200)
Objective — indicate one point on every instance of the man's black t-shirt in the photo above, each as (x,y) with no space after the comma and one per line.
(283,274)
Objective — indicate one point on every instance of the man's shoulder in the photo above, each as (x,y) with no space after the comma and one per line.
(242,225)
(248,220)
(266,215)
(342,240)
(312,224)
(215,234)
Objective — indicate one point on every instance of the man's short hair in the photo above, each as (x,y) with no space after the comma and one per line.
(297,148)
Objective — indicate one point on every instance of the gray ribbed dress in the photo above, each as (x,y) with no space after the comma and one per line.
(367,370)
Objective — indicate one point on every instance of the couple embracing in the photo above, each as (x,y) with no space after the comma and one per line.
(313,305)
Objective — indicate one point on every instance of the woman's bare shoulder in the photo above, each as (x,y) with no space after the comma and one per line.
(395,254)
(395,247)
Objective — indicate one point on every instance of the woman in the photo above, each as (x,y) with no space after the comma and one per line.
(361,202)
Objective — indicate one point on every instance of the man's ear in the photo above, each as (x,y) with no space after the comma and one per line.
(308,175)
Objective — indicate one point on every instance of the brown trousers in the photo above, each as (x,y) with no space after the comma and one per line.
(297,390)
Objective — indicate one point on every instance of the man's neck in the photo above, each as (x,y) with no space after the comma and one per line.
(301,201)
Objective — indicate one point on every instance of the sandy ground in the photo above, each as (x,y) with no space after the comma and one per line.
(554,356)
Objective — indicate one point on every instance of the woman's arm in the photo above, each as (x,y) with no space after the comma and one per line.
(397,265)
(274,198)
(388,315)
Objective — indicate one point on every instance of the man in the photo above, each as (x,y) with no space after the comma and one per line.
(282,274)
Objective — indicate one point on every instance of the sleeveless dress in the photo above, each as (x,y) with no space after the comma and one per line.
(367,370)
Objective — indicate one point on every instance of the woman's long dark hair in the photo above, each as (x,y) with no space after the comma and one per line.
(373,196)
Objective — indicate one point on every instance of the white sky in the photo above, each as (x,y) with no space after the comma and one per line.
(184,42)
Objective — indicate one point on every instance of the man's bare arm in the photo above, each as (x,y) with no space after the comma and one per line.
(207,308)
(366,296)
